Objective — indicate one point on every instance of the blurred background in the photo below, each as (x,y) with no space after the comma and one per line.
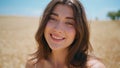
(19,21)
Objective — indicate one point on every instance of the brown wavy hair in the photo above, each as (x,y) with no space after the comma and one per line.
(78,50)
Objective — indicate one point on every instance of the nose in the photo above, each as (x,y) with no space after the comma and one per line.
(59,27)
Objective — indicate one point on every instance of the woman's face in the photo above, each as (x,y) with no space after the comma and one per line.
(60,31)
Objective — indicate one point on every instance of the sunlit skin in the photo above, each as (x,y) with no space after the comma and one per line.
(60,32)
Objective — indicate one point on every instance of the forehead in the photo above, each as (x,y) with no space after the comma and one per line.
(63,10)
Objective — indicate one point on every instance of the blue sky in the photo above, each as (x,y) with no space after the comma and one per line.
(94,8)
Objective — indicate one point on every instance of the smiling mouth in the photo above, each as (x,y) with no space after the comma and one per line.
(56,38)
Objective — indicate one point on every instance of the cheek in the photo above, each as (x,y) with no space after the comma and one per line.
(71,33)
(71,36)
(48,26)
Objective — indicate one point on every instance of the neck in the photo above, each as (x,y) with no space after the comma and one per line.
(58,57)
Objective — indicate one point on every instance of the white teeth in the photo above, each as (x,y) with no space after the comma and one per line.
(56,37)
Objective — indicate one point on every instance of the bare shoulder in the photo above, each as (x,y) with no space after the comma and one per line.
(30,64)
(41,64)
(94,62)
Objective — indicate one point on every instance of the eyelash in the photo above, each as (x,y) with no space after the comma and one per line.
(69,23)
(53,19)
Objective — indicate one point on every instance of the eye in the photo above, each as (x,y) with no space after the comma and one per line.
(69,24)
(51,18)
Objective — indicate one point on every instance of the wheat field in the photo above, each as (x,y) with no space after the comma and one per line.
(17,41)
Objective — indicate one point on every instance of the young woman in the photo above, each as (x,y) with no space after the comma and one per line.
(63,38)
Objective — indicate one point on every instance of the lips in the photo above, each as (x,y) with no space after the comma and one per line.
(56,37)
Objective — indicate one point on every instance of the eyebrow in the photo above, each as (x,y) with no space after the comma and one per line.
(54,14)
(70,18)
(58,15)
